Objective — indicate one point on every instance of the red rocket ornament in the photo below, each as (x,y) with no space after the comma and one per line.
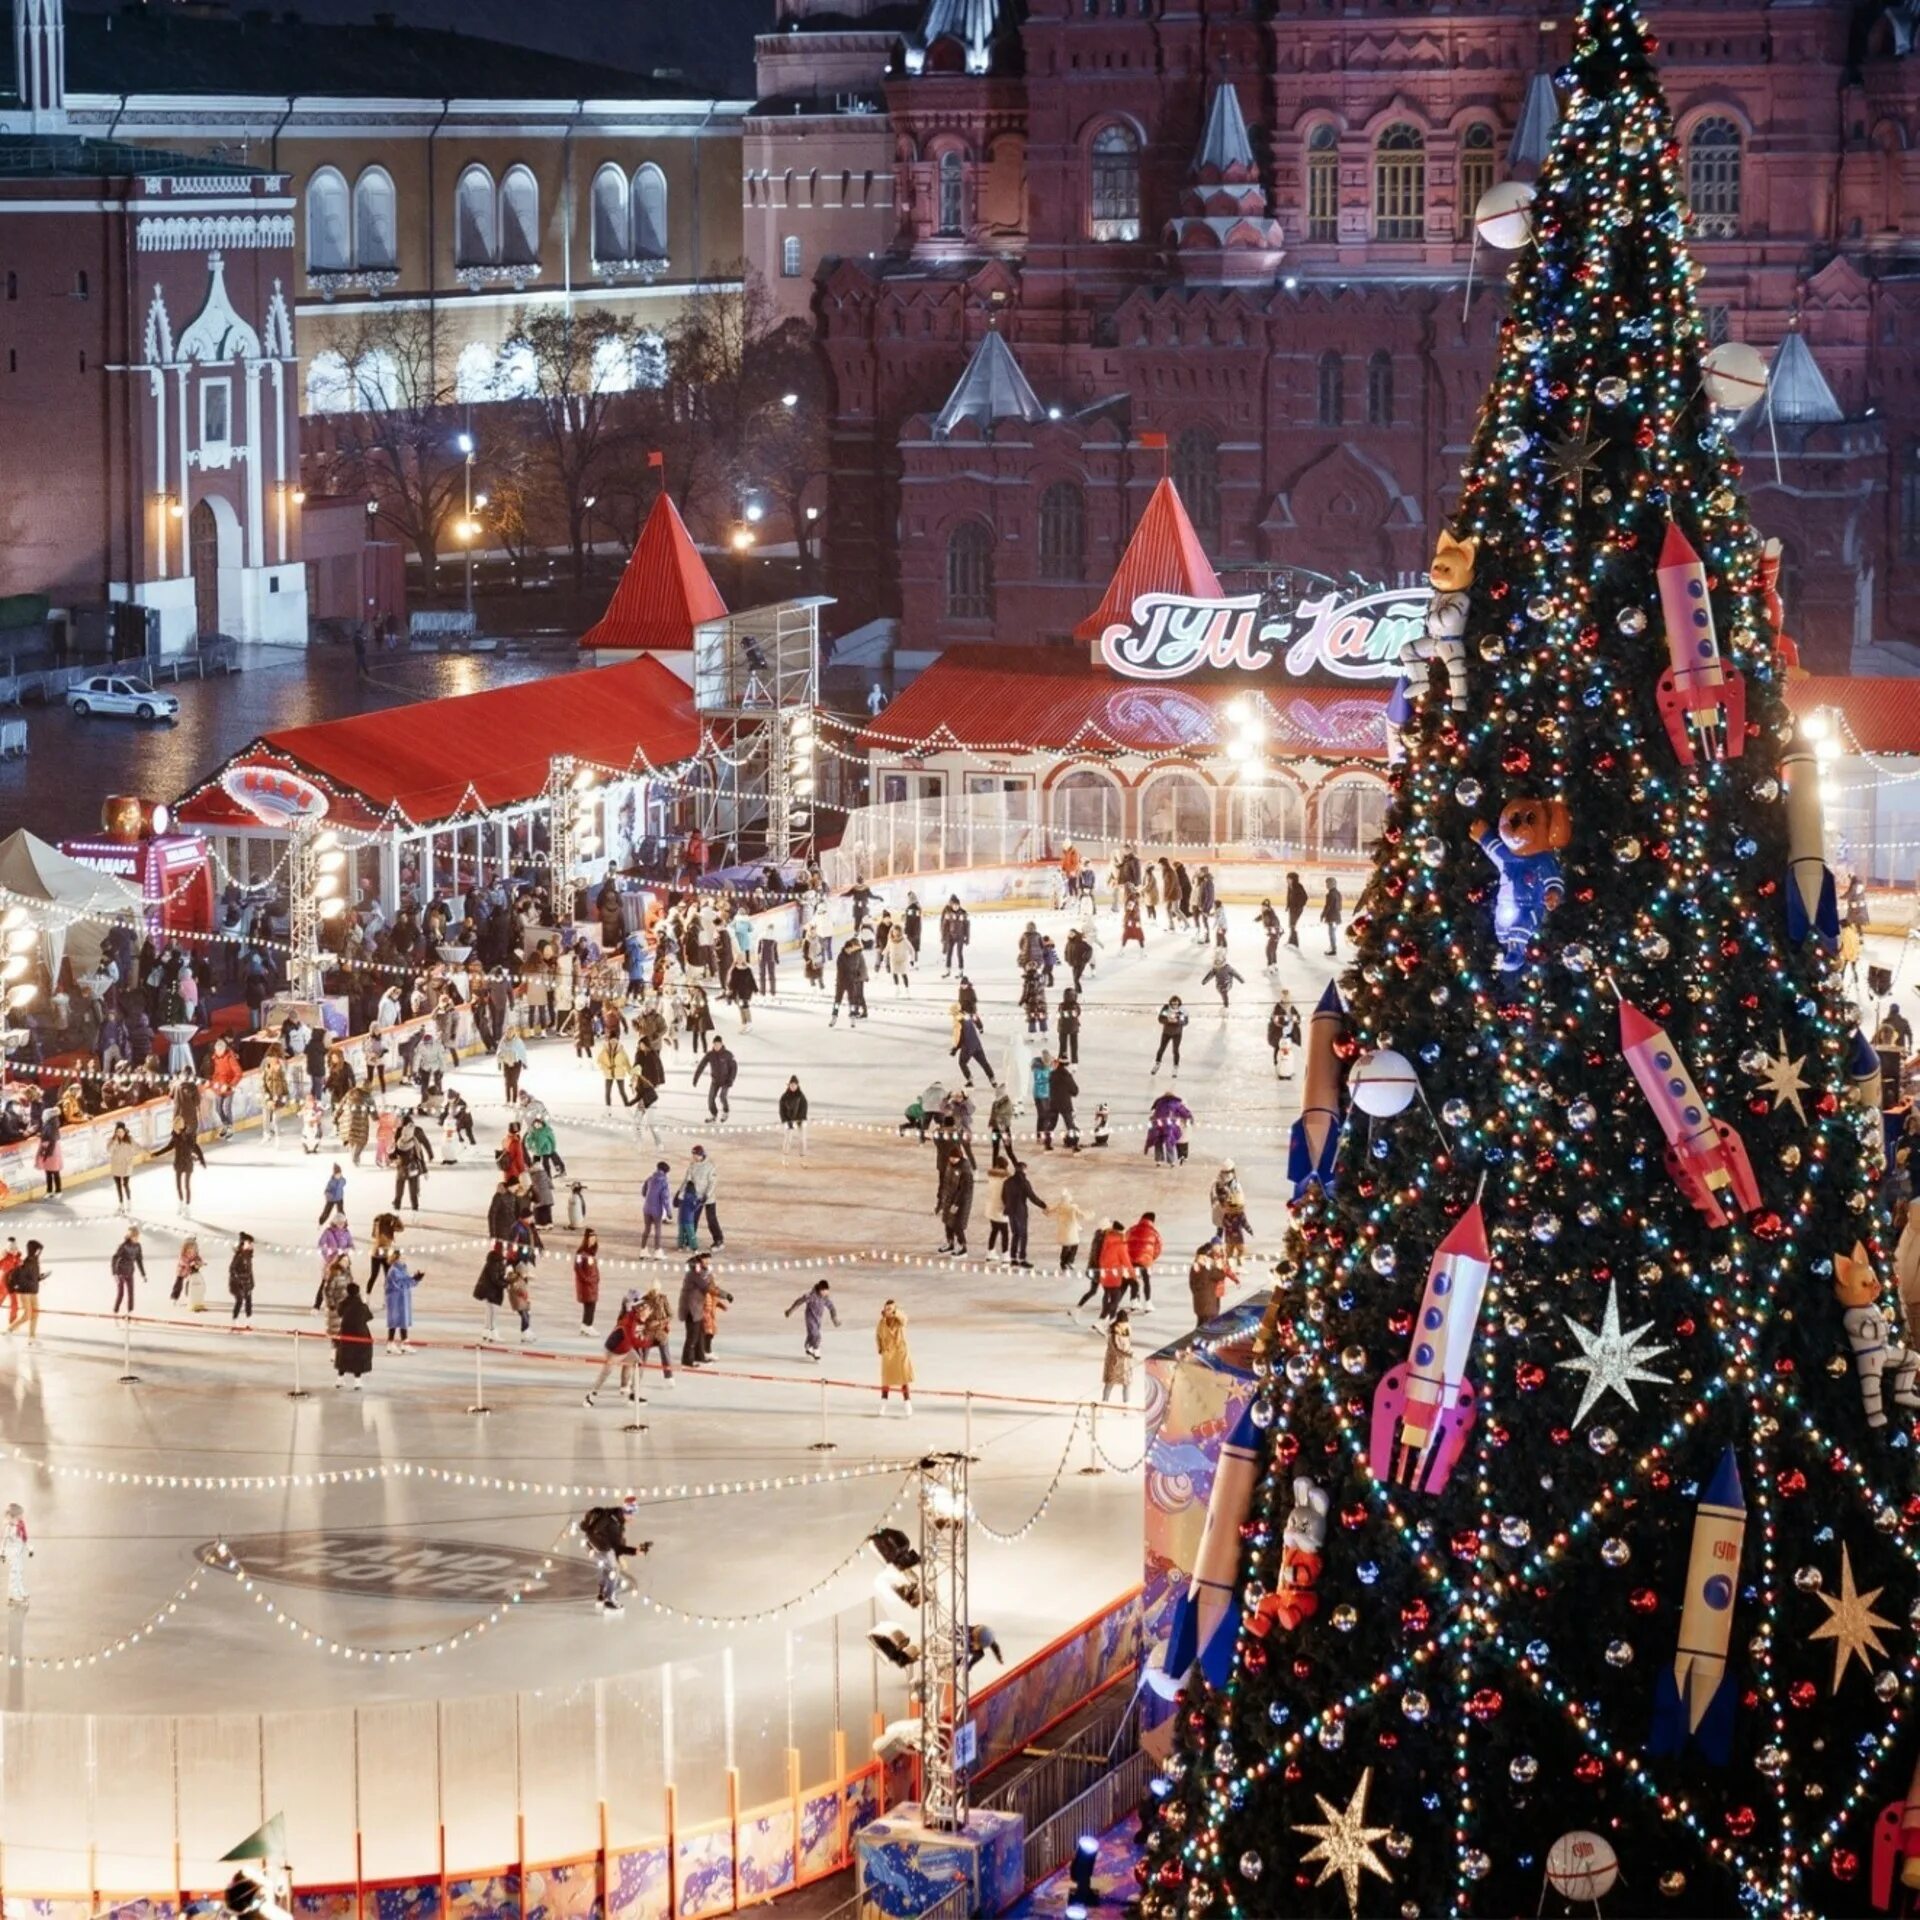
(1705,1157)
(1424,1408)
(1896,1842)
(1700,693)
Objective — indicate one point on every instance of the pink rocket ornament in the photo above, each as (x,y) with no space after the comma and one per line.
(1896,1844)
(1700,692)
(1423,1409)
(1706,1159)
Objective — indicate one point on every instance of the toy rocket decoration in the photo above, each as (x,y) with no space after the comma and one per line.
(1811,903)
(1316,1134)
(1694,1700)
(1206,1618)
(1700,691)
(1423,1409)
(1896,1839)
(1705,1157)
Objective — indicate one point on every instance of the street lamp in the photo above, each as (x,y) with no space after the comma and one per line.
(467,526)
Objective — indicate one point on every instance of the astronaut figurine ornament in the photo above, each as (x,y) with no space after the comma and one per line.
(1526,849)
(1886,1368)
(1445,639)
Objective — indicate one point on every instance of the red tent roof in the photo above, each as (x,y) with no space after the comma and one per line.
(1008,697)
(665,592)
(1164,556)
(1880,715)
(446,759)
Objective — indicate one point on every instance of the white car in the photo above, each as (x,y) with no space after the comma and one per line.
(115,693)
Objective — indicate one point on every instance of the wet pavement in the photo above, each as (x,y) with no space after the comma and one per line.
(72,763)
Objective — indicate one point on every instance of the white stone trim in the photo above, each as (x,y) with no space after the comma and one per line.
(200,233)
(454,303)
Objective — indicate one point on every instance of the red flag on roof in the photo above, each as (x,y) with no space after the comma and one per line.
(664,594)
(1153,439)
(1164,556)
(656,458)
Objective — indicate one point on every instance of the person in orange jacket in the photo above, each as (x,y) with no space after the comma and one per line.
(1111,1270)
(1143,1249)
(223,1071)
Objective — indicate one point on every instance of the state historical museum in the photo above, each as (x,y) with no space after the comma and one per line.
(1245,228)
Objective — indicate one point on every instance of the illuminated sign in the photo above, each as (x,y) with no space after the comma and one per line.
(1172,635)
(274,796)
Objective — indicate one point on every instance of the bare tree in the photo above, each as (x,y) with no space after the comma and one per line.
(399,441)
(573,376)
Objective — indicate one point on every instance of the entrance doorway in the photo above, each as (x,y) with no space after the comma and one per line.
(203,561)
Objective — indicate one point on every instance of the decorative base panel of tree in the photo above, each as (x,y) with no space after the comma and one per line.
(1579,1566)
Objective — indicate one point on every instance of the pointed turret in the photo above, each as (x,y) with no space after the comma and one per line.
(1797,391)
(1222,234)
(992,389)
(1539,115)
(974,27)
(1164,556)
(665,592)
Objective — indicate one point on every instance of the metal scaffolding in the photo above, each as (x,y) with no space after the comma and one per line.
(756,683)
(944,1641)
(308,841)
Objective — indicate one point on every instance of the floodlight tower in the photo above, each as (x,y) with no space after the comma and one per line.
(944,1639)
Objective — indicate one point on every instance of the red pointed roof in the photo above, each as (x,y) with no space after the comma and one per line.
(1164,556)
(665,592)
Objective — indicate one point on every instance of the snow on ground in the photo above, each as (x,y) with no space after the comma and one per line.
(209,1405)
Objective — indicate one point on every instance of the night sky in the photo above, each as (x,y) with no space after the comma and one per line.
(711,42)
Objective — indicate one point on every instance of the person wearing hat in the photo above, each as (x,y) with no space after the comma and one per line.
(605,1531)
(126,1262)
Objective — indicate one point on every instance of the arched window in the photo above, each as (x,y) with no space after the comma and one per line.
(519,218)
(1352,812)
(1196,478)
(611,233)
(517,376)
(1380,389)
(1271,817)
(1400,183)
(1114,203)
(1063,532)
(375,239)
(1176,810)
(473,373)
(376,381)
(953,193)
(1333,389)
(475,236)
(1476,174)
(790,257)
(649,213)
(329,244)
(970,572)
(329,383)
(1713,178)
(1088,807)
(1323,183)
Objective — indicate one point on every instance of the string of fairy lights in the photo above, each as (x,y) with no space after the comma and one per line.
(1612,174)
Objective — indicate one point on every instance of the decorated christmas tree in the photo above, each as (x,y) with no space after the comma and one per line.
(1574,1546)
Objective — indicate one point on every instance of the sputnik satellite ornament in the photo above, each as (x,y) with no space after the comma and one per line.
(1424,1408)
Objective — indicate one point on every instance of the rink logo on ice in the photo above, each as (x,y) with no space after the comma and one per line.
(468,1571)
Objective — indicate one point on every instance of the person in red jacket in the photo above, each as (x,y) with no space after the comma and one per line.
(223,1072)
(1112,1269)
(1143,1249)
(621,1348)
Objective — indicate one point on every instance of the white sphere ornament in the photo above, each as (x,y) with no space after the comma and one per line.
(1736,375)
(1504,216)
(1582,1865)
(1383,1083)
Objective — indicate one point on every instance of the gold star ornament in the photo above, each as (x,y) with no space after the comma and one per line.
(1785,1078)
(1851,1624)
(1346,1842)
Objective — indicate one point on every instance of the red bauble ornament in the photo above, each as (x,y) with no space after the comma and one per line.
(1588,1768)
(1802,1694)
(1844,1862)
(1643,1600)
(1486,1704)
(1741,1821)
(1414,1617)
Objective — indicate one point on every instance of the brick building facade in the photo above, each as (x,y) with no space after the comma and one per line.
(1248,228)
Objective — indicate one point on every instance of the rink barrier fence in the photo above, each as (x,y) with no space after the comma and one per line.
(212,1778)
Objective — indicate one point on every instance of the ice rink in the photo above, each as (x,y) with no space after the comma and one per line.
(121,1479)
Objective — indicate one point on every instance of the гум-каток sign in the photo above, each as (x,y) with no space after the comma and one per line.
(1172,635)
